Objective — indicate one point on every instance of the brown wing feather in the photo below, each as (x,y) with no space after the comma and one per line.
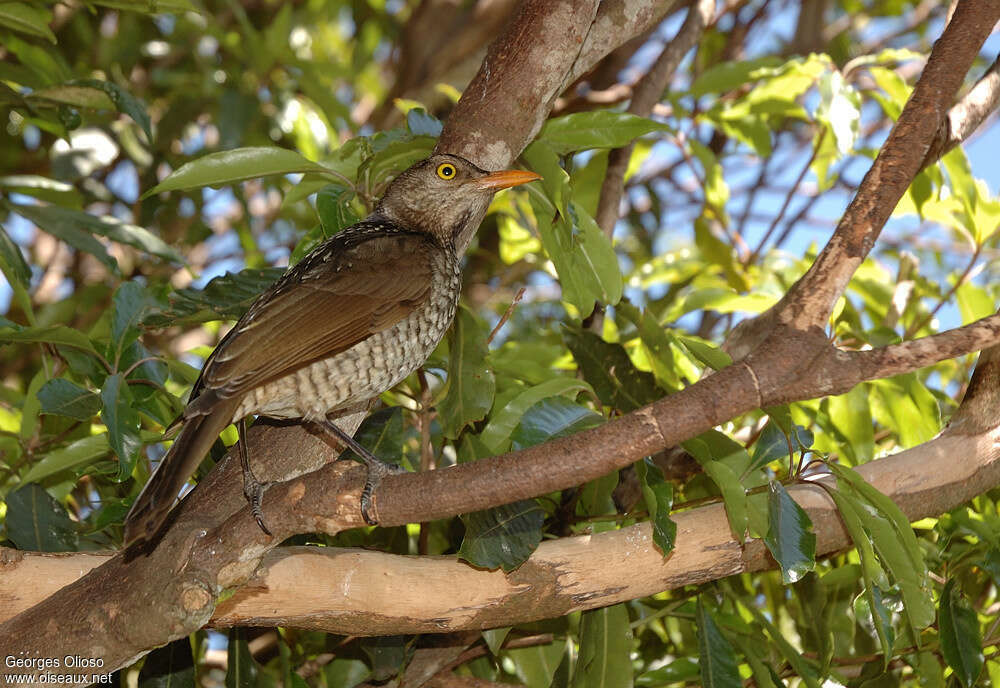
(320,308)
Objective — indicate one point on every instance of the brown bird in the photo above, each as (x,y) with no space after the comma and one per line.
(353,318)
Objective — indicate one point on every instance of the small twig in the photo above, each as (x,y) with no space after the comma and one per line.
(506,316)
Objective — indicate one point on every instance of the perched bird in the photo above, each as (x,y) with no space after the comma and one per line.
(353,318)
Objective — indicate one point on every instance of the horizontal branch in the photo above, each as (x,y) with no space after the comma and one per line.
(363,592)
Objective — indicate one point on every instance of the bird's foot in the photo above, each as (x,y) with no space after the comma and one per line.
(253,489)
(254,492)
(377,469)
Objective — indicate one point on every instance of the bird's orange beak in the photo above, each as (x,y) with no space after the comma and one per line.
(504,179)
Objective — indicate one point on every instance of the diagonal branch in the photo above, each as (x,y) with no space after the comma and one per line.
(810,300)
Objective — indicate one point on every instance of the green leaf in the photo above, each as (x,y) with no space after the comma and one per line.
(470,382)
(78,453)
(906,405)
(12,262)
(237,165)
(852,417)
(716,658)
(37,522)
(170,666)
(656,343)
(124,102)
(27,19)
(333,205)
(535,666)
(241,669)
(897,547)
(552,417)
(659,496)
(50,334)
(595,129)
(727,480)
(609,370)
(420,123)
(61,397)
(226,297)
(729,75)
(870,609)
(502,537)
(605,645)
(130,304)
(555,181)
(150,6)
(582,255)
(122,421)
(73,226)
(789,538)
(504,420)
(43,188)
(56,222)
(495,637)
(382,434)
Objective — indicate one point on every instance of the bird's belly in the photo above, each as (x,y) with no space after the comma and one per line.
(353,376)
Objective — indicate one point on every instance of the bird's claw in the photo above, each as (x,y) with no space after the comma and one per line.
(376,471)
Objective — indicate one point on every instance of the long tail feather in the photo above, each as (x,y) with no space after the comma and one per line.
(153,504)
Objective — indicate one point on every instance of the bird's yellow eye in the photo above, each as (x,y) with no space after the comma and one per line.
(446,171)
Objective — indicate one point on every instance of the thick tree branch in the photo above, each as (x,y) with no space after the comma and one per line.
(369,593)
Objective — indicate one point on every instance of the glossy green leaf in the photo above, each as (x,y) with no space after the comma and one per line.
(61,397)
(851,415)
(333,205)
(420,123)
(29,19)
(78,453)
(237,165)
(870,609)
(504,420)
(122,420)
(123,101)
(659,496)
(605,645)
(470,382)
(789,538)
(149,6)
(535,666)
(170,666)
(502,537)
(57,222)
(51,334)
(729,75)
(12,262)
(382,434)
(906,405)
(130,304)
(583,257)
(727,480)
(657,345)
(609,370)
(555,181)
(76,228)
(549,418)
(716,657)
(595,129)
(495,637)
(897,547)
(36,522)
(226,297)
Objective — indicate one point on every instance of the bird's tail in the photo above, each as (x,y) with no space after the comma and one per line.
(151,507)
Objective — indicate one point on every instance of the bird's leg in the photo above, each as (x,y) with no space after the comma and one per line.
(253,489)
(377,469)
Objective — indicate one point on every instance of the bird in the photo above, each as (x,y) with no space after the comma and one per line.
(353,318)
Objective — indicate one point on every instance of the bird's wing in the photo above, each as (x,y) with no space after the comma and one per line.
(341,293)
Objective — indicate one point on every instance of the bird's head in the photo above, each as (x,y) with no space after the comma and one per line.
(445,195)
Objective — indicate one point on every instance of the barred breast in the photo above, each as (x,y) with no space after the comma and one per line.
(368,368)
